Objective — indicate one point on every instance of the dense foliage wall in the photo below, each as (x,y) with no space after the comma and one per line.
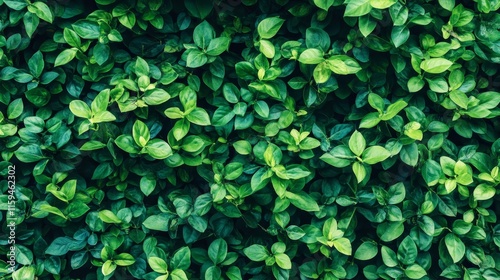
(249,139)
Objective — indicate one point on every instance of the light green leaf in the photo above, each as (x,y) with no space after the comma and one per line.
(455,247)
(343,65)
(484,192)
(435,65)
(268,27)
(357,8)
(311,56)
(256,253)
(158,264)
(415,271)
(42,11)
(140,133)
(375,154)
(357,143)
(158,149)
(15,109)
(302,201)
(343,245)
(65,56)
(86,29)
(382,4)
(366,251)
(324,4)
(283,261)
(359,171)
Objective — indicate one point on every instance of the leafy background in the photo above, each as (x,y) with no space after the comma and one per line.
(245,139)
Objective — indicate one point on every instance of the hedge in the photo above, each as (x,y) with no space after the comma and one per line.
(249,139)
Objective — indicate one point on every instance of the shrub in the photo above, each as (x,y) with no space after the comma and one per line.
(245,139)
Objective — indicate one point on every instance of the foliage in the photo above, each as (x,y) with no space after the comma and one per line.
(252,139)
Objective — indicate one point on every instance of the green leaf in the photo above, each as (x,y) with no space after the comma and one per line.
(15,109)
(393,110)
(108,267)
(359,171)
(128,20)
(109,217)
(357,8)
(158,264)
(376,102)
(260,179)
(382,4)
(199,117)
(389,231)
(158,222)
(459,98)
(72,38)
(375,154)
(283,261)
(447,4)
(415,84)
(31,22)
(104,116)
(178,274)
(267,48)
(59,247)
(16,4)
(295,172)
(124,259)
(140,133)
(340,156)
(415,271)
(217,251)
(484,192)
(100,102)
(156,96)
(256,253)
(42,11)
(324,4)
(180,129)
(69,189)
(435,65)
(86,29)
(65,57)
(455,247)
(218,46)
(357,143)
(366,251)
(101,53)
(370,120)
(199,8)
(196,59)
(388,256)
(127,143)
(343,65)
(295,232)
(24,273)
(268,27)
(311,56)
(399,34)
(181,259)
(29,153)
(158,149)
(36,64)
(188,99)
(203,34)
(302,201)
(222,116)
(407,251)
(343,245)
(147,185)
